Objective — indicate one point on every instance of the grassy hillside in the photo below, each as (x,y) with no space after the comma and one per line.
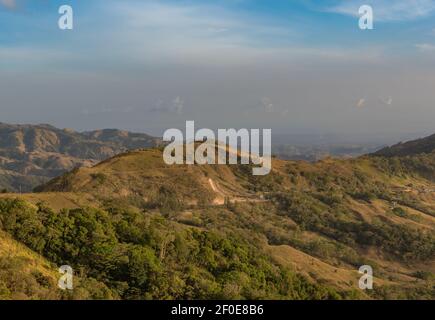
(409,148)
(148,230)
(23,273)
(26,275)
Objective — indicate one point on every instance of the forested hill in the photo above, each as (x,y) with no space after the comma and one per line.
(410,148)
(142,229)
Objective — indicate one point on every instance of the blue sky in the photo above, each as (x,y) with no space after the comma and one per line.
(405,25)
(294,65)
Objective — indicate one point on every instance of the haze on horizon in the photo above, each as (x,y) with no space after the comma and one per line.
(297,67)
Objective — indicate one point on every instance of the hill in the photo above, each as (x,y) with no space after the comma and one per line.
(410,148)
(315,222)
(137,228)
(33,154)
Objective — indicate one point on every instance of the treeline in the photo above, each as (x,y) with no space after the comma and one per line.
(138,255)
(336,222)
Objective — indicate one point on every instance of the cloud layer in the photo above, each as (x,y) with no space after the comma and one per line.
(150,65)
(389,10)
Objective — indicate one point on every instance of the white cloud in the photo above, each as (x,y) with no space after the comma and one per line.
(176,106)
(389,10)
(157,32)
(267,106)
(192,32)
(388,101)
(425,47)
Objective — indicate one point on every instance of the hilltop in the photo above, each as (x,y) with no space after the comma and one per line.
(409,148)
(33,154)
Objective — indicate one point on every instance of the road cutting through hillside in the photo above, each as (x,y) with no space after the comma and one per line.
(222,195)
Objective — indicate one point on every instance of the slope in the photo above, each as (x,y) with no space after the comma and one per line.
(409,148)
(33,154)
(322,220)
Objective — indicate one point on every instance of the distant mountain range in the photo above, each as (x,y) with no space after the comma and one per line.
(33,154)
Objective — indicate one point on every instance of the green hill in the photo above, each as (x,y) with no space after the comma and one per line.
(409,148)
(148,230)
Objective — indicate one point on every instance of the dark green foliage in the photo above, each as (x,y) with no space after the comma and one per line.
(139,255)
(424,292)
(167,200)
(99,177)
(398,211)
(267,183)
(424,275)
(422,165)
(403,242)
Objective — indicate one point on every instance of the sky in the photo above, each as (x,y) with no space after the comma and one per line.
(295,66)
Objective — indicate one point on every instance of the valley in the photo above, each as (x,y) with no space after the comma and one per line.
(142,229)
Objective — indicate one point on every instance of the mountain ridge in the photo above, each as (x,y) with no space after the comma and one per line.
(33,154)
(414,147)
